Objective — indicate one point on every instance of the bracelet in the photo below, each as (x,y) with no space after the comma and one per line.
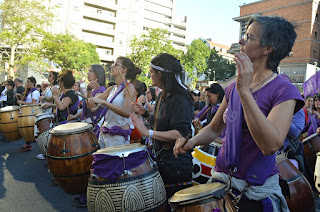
(150,133)
(146,114)
(89,88)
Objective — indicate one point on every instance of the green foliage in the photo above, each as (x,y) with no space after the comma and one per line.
(218,68)
(195,60)
(148,45)
(23,25)
(69,52)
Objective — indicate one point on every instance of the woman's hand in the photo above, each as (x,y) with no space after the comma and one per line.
(94,85)
(45,105)
(196,122)
(41,98)
(245,71)
(96,100)
(138,108)
(55,91)
(71,117)
(316,113)
(182,147)
(138,123)
(20,102)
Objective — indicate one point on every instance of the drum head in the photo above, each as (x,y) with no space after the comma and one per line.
(9,108)
(41,116)
(310,137)
(199,191)
(31,105)
(123,150)
(71,128)
(213,143)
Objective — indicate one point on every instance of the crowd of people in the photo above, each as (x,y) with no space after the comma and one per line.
(257,117)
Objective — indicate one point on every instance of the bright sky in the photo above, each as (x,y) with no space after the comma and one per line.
(211,19)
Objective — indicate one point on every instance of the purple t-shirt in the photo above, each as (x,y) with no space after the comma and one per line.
(272,94)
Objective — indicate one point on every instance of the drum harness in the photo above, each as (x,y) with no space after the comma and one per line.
(228,190)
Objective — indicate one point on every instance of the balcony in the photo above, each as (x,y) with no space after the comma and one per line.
(103,55)
(99,15)
(99,41)
(179,21)
(108,4)
(178,39)
(98,27)
(178,31)
(235,47)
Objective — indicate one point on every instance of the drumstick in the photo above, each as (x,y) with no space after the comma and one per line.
(187,138)
(205,113)
(86,98)
(68,110)
(309,137)
(125,84)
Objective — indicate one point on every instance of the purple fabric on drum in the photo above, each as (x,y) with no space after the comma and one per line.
(116,130)
(111,167)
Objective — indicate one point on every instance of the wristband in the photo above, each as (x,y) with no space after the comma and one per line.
(150,133)
(89,88)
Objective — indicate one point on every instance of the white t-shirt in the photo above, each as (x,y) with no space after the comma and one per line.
(34,95)
(3,95)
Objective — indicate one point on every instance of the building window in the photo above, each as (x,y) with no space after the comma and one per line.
(120,41)
(290,54)
(99,11)
(316,35)
(316,16)
(314,53)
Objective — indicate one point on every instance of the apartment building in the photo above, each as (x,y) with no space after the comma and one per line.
(110,24)
(304,59)
(221,49)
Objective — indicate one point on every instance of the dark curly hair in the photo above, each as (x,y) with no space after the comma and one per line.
(67,78)
(215,88)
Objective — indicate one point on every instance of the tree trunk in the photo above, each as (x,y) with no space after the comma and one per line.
(11,62)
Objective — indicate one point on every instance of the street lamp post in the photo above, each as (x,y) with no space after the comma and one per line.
(214,75)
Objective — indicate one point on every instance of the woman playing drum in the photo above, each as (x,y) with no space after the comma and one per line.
(313,121)
(172,120)
(96,86)
(117,126)
(46,96)
(30,96)
(258,110)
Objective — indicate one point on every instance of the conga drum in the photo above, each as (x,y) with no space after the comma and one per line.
(311,146)
(125,178)
(26,121)
(204,197)
(317,173)
(301,195)
(204,159)
(43,122)
(9,122)
(69,155)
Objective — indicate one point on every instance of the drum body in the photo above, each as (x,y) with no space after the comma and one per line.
(204,159)
(204,197)
(142,189)
(69,155)
(43,122)
(310,148)
(43,142)
(301,195)
(317,173)
(9,122)
(26,121)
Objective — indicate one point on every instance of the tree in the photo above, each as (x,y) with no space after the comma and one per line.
(23,23)
(219,68)
(195,60)
(148,45)
(69,52)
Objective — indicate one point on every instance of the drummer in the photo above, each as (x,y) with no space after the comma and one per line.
(30,96)
(96,86)
(117,126)
(172,120)
(215,94)
(46,95)
(11,99)
(257,111)
(67,103)
(313,121)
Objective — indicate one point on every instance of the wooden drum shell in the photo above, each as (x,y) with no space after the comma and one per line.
(26,121)
(69,160)
(301,194)
(9,122)
(310,149)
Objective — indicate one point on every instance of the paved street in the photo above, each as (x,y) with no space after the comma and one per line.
(25,182)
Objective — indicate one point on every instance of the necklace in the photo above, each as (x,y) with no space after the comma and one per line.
(266,82)
(261,82)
